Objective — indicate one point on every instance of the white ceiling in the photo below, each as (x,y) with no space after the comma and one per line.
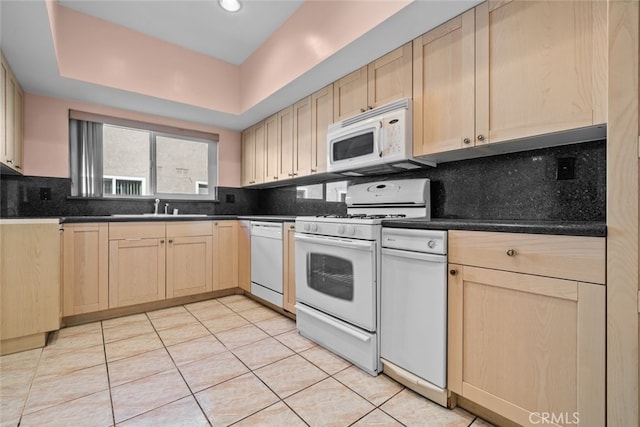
(26,41)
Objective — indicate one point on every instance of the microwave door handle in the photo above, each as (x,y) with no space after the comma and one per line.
(380,139)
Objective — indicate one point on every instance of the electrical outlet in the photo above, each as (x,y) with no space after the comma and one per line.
(566,168)
(45,193)
(229,198)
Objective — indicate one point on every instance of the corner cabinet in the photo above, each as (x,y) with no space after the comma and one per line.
(384,80)
(136,263)
(85,268)
(12,119)
(289,297)
(527,325)
(189,254)
(508,70)
(29,283)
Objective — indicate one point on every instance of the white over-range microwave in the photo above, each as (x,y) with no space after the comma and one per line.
(375,142)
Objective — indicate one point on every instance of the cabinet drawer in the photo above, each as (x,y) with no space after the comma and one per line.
(189,228)
(136,230)
(567,257)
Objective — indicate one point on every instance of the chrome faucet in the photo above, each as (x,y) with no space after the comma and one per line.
(155,206)
(166,209)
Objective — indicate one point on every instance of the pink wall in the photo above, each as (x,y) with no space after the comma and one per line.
(317,30)
(96,51)
(46,137)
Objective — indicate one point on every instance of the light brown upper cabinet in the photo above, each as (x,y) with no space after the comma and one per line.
(384,80)
(189,255)
(286,148)
(271,149)
(12,118)
(302,138)
(321,118)
(248,167)
(508,70)
(260,142)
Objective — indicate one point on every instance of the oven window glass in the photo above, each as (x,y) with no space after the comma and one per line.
(330,275)
(356,146)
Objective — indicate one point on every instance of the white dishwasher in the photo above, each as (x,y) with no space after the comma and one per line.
(267,261)
(413,306)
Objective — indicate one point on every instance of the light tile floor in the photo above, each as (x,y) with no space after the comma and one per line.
(220,362)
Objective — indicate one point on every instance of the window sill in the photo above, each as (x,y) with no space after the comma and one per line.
(143,199)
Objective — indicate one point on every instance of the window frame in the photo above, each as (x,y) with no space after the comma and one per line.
(154,130)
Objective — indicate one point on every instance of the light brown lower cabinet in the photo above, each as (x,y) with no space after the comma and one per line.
(29,283)
(136,263)
(289,268)
(189,258)
(526,346)
(225,255)
(85,268)
(244,255)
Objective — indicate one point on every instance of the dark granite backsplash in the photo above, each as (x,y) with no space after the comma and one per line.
(518,186)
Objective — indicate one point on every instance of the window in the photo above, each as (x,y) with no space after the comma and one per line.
(118,158)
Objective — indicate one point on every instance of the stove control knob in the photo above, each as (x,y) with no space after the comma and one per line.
(341,229)
(350,230)
(431,244)
(306,227)
(313,227)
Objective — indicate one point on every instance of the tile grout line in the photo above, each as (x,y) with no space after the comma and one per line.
(33,377)
(106,364)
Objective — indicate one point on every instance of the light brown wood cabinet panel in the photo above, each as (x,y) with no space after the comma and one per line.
(321,118)
(189,247)
(12,120)
(86,268)
(508,70)
(225,255)
(286,143)
(260,148)
(289,268)
(384,80)
(271,149)
(248,166)
(521,344)
(302,137)
(443,87)
(244,255)
(29,283)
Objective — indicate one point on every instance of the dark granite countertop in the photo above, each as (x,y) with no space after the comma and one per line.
(144,218)
(268,218)
(594,229)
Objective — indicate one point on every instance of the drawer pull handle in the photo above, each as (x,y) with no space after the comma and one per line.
(453,272)
(511,252)
(162,241)
(480,137)
(466,141)
(170,240)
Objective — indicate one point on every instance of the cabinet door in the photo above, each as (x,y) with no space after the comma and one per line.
(271,148)
(248,172)
(289,269)
(225,255)
(540,67)
(389,77)
(443,87)
(189,269)
(18,127)
(350,95)
(321,118)
(86,268)
(521,344)
(3,114)
(10,124)
(260,152)
(136,271)
(302,137)
(244,256)
(285,143)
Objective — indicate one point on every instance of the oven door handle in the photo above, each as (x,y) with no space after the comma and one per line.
(334,324)
(332,241)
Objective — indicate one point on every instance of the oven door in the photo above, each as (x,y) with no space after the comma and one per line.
(337,276)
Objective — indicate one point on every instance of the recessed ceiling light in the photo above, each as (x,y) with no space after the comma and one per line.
(230,5)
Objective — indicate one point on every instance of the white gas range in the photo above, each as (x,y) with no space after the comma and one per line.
(338,268)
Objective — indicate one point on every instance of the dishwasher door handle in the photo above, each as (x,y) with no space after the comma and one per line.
(414,255)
